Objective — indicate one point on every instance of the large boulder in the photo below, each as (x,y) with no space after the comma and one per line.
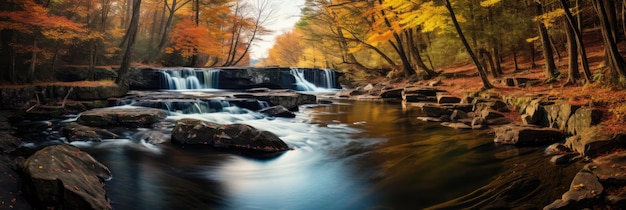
(582,119)
(11,196)
(121,116)
(8,143)
(234,136)
(558,114)
(64,177)
(16,98)
(610,169)
(521,135)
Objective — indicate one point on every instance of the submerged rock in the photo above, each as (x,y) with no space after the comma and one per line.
(527,135)
(277,111)
(121,116)
(77,132)
(234,136)
(64,177)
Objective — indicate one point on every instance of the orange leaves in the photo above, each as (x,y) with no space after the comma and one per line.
(186,36)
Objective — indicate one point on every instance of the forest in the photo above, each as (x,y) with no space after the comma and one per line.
(364,39)
(38,36)
(397,38)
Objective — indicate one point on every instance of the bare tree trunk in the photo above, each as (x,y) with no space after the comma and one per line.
(481,72)
(33,63)
(572,50)
(548,54)
(515,61)
(417,55)
(397,46)
(132,31)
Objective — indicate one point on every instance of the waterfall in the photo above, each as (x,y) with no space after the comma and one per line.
(185,79)
(302,84)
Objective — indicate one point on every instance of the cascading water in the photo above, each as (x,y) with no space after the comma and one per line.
(186,79)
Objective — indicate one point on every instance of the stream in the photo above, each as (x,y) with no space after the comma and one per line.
(346,155)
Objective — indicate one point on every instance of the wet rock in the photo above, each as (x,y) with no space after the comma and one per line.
(445,99)
(349,93)
(77,132)
(425,91)
(582,119)
(151,136)
(286,98)
(430,119)
(234,136)
(121,116)
(498,121)
(584,191)
(64,177)
(277,111)
(456,125)
(562,159)
(477,123)
(527,135)
(610,168)
(418,98)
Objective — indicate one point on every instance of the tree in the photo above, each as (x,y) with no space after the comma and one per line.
(132,34)
(615,59)
(481,71)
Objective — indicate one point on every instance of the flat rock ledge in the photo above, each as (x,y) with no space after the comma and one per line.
(138,117)
(234,136)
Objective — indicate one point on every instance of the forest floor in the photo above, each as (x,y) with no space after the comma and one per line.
(600,95)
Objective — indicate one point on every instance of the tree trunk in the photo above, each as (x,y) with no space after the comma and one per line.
(515,61)
(481,72)
(166,31)
(397,46)
(616,61)
(548,54)
(572,50)
(132,31)
(417,55)
(33,63)
(577,32)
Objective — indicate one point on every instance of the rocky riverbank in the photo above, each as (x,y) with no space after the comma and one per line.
(569,131)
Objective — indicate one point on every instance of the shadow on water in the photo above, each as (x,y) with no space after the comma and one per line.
(346,155)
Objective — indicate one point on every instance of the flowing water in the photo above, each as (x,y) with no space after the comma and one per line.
(346,155)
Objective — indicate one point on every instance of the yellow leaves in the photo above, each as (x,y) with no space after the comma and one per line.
(532,39)
(489,3)
(549,18)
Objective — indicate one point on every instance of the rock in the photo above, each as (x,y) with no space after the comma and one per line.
(433,110)
(99,92)
(478,123)
(610,168)
(562,159)
(368,87)
(497,105)
(16,98)
(63,177)
(235,136)
(456,125)
(277,111)
(8,143)
(425,91)
(11,196)
(617,198)
(121,116)
(447,99)
(595,141)
(429,119)
(286,98)
(418,98)
(392,93)
(498,121)
(151,136)
(584,191)
(349,93)
(582,119)
(520,135)
(519,81)
(458,114)
(557,149)
(558,114)
(488,114)
(534,113)
(77,132)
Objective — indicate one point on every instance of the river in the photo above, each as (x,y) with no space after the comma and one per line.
(346,155)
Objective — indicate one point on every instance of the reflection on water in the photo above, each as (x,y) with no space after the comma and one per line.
(348,155)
